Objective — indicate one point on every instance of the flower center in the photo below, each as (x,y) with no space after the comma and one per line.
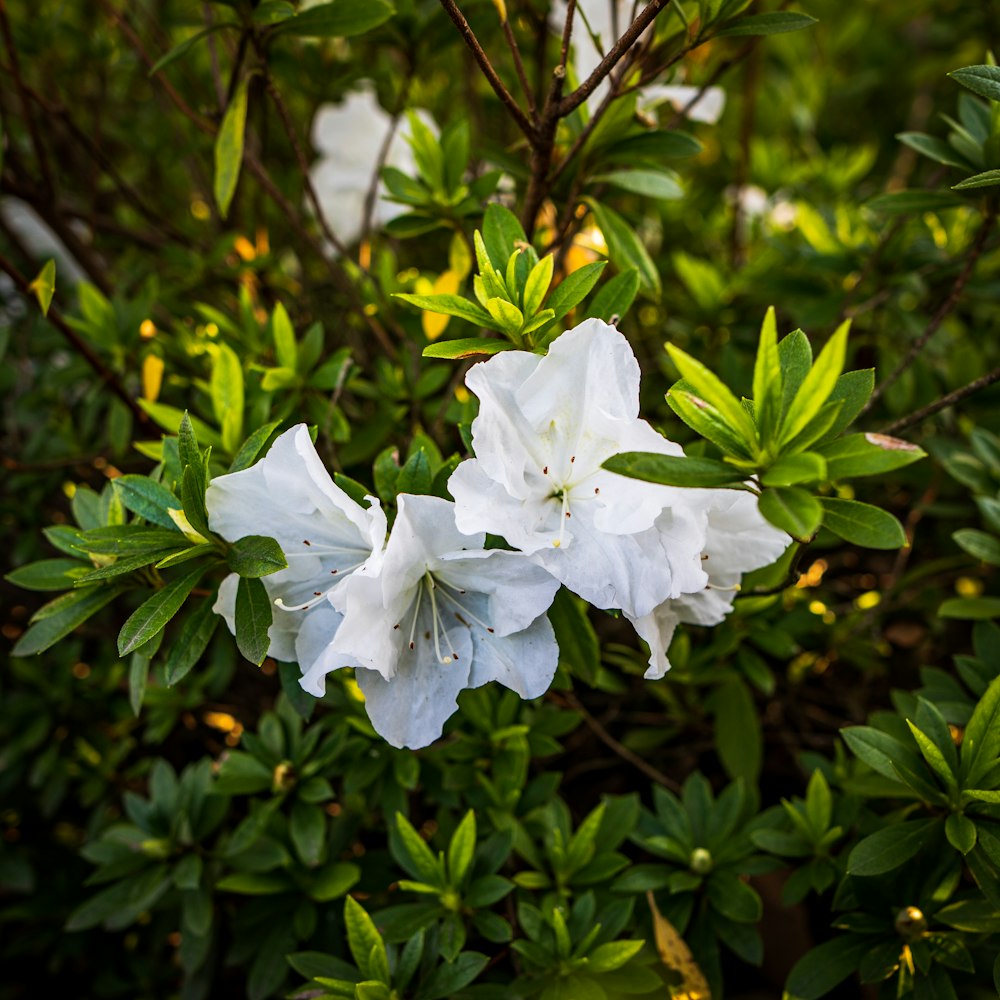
(439,592)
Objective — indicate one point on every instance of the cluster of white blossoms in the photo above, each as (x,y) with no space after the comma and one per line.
(428,611)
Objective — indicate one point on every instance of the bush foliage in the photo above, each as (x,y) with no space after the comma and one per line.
(219,220)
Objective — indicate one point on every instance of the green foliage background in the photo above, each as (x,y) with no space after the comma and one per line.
(812,791)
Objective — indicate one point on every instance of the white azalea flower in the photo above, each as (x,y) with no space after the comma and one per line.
(608,20)
(738,540)
(325,536)
(349,138)
(707,108)
(437,615)
(545,426)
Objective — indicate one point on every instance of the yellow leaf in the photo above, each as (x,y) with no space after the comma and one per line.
(676,955)
(152,377)
(44,286)
(435,323)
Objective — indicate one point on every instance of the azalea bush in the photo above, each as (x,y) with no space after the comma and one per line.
(503,499)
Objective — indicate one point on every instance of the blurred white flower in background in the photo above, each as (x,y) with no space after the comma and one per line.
(607,21)
(350,138)
(39,240)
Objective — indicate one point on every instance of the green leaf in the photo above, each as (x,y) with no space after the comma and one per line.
(793,510)
(852,391)
(537,285)
(974,916)
(981,80)
(767,378)
(806,467)
(138,677)
(989,178)
(506,316)
(307,827)
(148,499)
(253,619)
(818,384)
(47,574)
(448,979)
(661,184)
(624,247)
(862,524)
(285,348)
(932,754)
(256,556)
(334,880)
(252,447)
(981,740)
(273,11)
(615,296)
(44,286)
(961,832)
(339,19)
(907,202)
(706,420)
(227,395)
(675,470)
(415,476)
(715,392)
(191,642)
(574,288)
(502,234)
(363,938)
(975,608)
(229,148)
(980,544)
(890,847)
(149,619)
(468,348)
(417,858)
(73,610)
(461,849)
(652,147)
(867,455)
(448,305)
(579,649)
(825,966)
(179,50)
(612,955)
(254,883)
(934,148)
(767,24)
(738,739)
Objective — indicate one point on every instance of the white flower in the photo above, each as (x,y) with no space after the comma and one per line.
(325,536)
(707,108)
(437,615)
(608,20)
(738,540)
(545,426)
(349,138)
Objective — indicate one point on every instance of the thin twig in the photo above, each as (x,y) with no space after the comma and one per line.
(78,343)
(942,313)
(499,88)
(945,401)
(619,748)
(300,158)
(515,51)
(646,16)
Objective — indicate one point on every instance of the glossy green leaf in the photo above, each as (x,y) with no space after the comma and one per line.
(862,524)
(229,149)
(253,619)
(149,619)
(792,509)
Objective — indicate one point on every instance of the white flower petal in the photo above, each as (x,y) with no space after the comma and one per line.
(525,662)
(708,108)
(657,628)
(313,649)
(410,710)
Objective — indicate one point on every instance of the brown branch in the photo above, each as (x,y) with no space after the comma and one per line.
(29,119)
(945,401)
(522,76)
(619,748)
(499,88)
(303,164)
(340,278)
(646,16)
(943,311)
(78,343)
